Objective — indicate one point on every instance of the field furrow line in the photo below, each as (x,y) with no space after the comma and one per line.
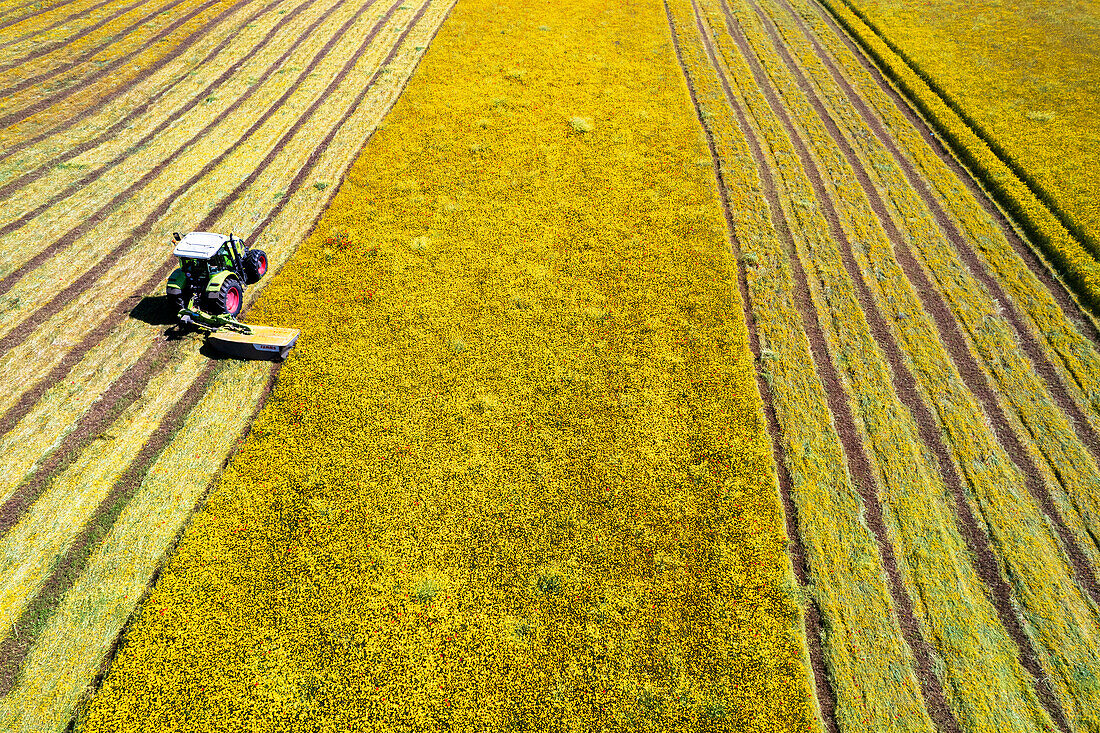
(156,193)
(128,99)
(141,61)
(812,620)
(38,47)
(57,61)
(291,172)
(100,634)
(85,205)
(1060,591)
(1034,416)
(867,693)
(990,243)
(334,153)
(39,8)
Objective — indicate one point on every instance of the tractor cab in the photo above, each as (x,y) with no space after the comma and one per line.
(214,270)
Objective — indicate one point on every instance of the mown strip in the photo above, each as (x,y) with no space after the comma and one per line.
(57,105)
(957,601)
(1064,628)
(1066,330)
(655,629)
(45,44)
(1030,426)
(160,78)
(863,668)
(1042,225)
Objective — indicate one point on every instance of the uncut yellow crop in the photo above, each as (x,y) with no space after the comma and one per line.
(515,472)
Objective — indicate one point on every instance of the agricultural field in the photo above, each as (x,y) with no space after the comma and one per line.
(662,368)
(1026,75)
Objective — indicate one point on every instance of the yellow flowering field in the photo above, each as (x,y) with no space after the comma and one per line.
(1025,75)
(516,472)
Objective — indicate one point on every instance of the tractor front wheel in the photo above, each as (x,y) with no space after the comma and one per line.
(255,265)
(227,300)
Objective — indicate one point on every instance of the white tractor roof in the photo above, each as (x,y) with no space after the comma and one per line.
(200,245)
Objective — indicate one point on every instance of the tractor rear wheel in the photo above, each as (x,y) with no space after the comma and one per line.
(182,300)
(255,265)
(227,300)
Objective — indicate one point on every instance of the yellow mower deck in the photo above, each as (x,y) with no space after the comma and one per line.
(242,340)
(263,342)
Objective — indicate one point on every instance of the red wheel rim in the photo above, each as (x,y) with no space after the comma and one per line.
(232,301)
(262,269)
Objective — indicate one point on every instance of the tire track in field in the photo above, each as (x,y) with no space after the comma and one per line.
(839,402)
(1043,271)
(94,219)
(13,649)
(129,85)
(121,311)
(61,42)
(75,150)
(903,381)
(68,65)
(28,325)
(1028,341)
(826,696)
(44,104)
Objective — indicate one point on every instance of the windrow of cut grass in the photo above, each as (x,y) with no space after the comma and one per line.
(79,18)
(515,473)
(66,63)
(1068,468)
(863,646)
(51,144)
(1071,255)
(1061,326)
(933,559)
(42,105)
(1054,588)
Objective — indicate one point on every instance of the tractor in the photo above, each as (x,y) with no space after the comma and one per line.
(214,270)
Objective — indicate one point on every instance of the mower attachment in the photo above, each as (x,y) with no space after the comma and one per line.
(239,340)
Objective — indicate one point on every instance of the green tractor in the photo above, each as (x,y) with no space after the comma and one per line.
(214,270)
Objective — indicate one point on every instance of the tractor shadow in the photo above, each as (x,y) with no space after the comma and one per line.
(156,310)
(160,311)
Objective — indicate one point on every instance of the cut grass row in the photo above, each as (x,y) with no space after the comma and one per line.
(79,18)
(52,145)
(522,457)
(1058,327)
(41,106)
(1032,557)
(1047,435)
(1067,253)
(933,561)
(864,667)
